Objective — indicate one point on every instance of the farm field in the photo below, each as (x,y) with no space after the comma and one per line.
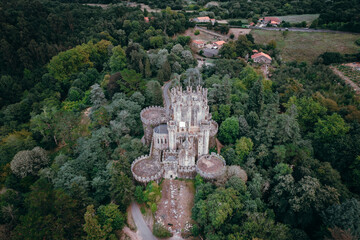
(351,72)
(299,18)
(307,46)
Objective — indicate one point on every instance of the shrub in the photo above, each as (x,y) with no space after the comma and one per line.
(197,32)
(160,231)
(357,42)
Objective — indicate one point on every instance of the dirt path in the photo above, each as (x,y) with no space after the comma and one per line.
(174,209)
(346,79)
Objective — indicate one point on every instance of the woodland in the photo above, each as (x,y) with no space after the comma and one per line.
(74,79)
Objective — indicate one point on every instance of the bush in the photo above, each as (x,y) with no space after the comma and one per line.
(197,32)
(160,231)
(357,42)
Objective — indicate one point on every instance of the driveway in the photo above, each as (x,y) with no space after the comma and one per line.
(143,229)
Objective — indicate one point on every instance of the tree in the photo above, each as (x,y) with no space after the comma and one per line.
(229,130)
(256,97)
(345,216)
(97,96)
(29,162)
(130,82)
(51,214)
(93,228)
(309,111)
(330,127)
(243,147)
(118,59)
(110,214)
(153,93)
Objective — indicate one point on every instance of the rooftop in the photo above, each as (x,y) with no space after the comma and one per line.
(210,164)
(261,54)
(161,129)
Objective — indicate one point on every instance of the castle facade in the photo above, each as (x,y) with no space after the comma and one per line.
(179,139)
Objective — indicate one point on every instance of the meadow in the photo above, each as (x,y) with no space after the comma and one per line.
(307,46)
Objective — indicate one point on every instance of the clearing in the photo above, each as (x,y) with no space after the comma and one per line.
(203,36)
(239,31)
(307,46)
(174,209)
(298,18)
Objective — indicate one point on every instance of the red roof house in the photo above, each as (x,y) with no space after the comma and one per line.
(261,58)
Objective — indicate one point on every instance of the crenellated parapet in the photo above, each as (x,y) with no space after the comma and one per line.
(211,166)
(152,117)
(154,174)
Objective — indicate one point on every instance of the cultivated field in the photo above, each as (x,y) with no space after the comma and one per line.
(307,46)
(299,18)
(351,72)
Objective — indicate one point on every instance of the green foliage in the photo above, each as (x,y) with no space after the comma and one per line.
(243,147)
(346,216)
(229,130)
(309,111)
(330,127)
(197,32)
(139,195)
(111,215)
(94,229)
(160,231)
(118,59)
(152,195)
(256,97)
(130,82)
(153,93)
(59,215)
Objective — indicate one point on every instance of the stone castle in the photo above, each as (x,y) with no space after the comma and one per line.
(179,136)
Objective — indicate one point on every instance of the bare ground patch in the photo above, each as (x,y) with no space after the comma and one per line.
(238,31)
(174,209)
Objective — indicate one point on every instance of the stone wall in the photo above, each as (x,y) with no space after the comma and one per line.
(156,177)
(150,123)
(219,173)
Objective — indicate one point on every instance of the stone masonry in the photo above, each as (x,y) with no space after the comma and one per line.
(179,139)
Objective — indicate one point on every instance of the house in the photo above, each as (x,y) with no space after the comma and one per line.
(202,19)
(198,43)
(270,20)
(255,51)
(261,58)
(146,19)
(219,44)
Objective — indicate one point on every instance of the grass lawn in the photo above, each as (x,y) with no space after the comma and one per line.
(307,46)
(299,18)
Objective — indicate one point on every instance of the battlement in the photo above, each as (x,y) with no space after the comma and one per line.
(153,115)
(211,166)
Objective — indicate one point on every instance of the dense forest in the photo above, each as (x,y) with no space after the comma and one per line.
(74,79)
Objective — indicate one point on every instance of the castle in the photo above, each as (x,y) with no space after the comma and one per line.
(179,136)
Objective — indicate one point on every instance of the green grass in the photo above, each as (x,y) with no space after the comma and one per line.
(307,46)
(299,18)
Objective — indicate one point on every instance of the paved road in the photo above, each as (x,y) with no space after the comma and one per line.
(143,229)
(166,97)
(298,29)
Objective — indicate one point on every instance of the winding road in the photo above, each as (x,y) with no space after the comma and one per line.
(140,223)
